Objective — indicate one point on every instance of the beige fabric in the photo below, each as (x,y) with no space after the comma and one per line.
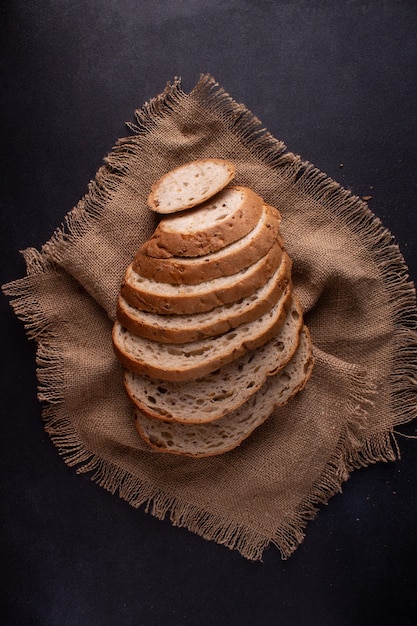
(359,305)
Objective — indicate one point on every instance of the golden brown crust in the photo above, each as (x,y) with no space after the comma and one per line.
(230,382)
(157,330)
(231,259)
(212,284)
(209,364)
(167,242)
(160,447)
(185,302)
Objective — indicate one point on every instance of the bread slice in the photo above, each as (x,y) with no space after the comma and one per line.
(229,260)
(190,184)
(220,221)
(193,360)
(148,295)
(185,328)
(224,390)
(228,432)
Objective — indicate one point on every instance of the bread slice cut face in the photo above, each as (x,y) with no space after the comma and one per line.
(212,396)
(225,218)
(228,260)
(164,298)
(228,432)
(177,328)
(190,184)
(208,328)
(192,360)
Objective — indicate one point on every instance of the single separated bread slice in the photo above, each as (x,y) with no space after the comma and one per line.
(228,432)
(148,295)
(229,260)
(220,392)
(177,328)
(190,184)
(193,360)
(223,219)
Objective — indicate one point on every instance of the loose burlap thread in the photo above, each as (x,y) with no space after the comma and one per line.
(358,301)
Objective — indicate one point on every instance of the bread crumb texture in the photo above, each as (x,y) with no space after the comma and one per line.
(208,328)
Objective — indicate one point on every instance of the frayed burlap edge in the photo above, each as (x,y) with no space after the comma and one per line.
(351,453)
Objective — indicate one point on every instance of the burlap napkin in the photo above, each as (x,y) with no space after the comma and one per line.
(359,305)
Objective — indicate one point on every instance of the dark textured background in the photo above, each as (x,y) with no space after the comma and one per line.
(336,81)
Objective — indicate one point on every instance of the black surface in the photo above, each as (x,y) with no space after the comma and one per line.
(336,81)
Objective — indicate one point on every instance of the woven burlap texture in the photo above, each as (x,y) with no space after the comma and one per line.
(358,301)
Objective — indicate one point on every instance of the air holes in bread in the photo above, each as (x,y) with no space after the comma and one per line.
(208,328)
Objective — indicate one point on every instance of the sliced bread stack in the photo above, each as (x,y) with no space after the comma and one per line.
(208,329)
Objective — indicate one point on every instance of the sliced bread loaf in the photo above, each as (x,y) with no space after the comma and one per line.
(224,390)
(220,221)
(196,359)
(228,432)
(229,260)
(148,295)
(185,328)
(190,184)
